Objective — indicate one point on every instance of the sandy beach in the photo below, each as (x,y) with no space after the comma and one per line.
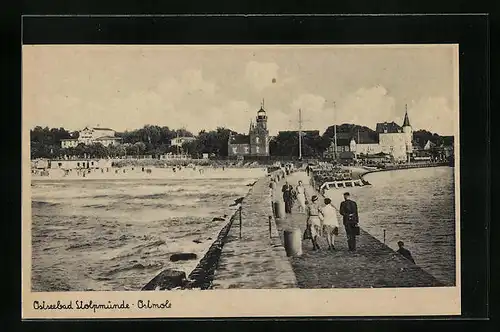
(136,173)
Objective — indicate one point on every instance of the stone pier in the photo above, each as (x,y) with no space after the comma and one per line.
(373,265)
(256,260)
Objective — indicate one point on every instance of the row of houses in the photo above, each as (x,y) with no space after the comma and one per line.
(107,137)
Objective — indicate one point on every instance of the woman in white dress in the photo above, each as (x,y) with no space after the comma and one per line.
(301,197)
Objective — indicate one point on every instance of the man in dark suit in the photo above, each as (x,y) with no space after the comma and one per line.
(287,190)
(349,212)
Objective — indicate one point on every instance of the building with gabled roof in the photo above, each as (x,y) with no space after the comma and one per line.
(89,136)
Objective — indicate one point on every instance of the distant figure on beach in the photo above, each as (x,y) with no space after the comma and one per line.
(287,191)
(349,212)
(301,196)
(328,216)
(313,223)
(405,252)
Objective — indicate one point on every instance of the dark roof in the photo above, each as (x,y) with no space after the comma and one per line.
(103,129)
(342,141)
(305,132)
(406,121)
(108,137)
(391,127)
(346,155)
(239,139)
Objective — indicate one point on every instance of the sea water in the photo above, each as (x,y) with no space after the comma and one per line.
(117,234)
(416,206)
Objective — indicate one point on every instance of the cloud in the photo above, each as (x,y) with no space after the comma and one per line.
(309,103)
(433,114)
(365,106)
(261,74)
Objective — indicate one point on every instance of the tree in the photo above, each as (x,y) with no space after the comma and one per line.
(286,144)
(97,150)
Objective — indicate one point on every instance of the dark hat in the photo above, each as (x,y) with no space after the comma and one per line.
(327,201)
(314,198)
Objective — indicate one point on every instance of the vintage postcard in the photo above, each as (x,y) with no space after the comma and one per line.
(240,181)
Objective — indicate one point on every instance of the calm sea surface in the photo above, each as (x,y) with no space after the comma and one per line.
(118,234)
(416,206)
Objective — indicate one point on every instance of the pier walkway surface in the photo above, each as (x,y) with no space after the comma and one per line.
(256,260)
(373,265)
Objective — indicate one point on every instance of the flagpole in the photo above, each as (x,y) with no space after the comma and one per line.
(300,134)
(335,132)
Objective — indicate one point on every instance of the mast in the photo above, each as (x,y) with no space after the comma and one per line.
(335,132)
(300,134)
(177,142)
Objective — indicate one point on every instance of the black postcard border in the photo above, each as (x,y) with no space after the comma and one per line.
(469,31)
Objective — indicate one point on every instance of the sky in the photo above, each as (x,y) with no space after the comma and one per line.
(205,87)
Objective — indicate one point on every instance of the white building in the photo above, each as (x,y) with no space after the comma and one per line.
(392,139)
(89,136)
(178,141)
(395,140)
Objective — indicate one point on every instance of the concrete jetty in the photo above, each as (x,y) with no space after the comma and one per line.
(256,260)
(373,265)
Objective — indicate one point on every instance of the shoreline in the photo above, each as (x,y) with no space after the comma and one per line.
(399,168)
(156,173)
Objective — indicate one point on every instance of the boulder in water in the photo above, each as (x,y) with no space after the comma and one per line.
(167,279)
(220,218)
(183,256)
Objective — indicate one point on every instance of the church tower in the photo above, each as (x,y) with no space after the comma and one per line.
(408,132)
(259,134)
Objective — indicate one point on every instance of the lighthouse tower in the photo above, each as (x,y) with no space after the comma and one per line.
(259,134)
(408,132)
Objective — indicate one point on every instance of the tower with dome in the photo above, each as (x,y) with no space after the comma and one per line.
(256,143)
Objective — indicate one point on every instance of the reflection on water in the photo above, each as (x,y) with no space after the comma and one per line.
(416,206)
(116,235)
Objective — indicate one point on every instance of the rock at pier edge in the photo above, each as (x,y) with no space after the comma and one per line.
(167,279)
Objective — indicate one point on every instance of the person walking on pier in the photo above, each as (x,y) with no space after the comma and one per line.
(405,252)
(287,196)
(349,212)
(313,222)
(328,216)
(301,196)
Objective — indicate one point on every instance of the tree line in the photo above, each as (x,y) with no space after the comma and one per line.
(155,140)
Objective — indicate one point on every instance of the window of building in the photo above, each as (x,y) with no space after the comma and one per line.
(234,149)
(257,149)
(78,164)
(92,163)
(257,140)
(59,164)
(246,149)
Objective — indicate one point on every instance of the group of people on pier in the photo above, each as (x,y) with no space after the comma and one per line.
(322,221)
